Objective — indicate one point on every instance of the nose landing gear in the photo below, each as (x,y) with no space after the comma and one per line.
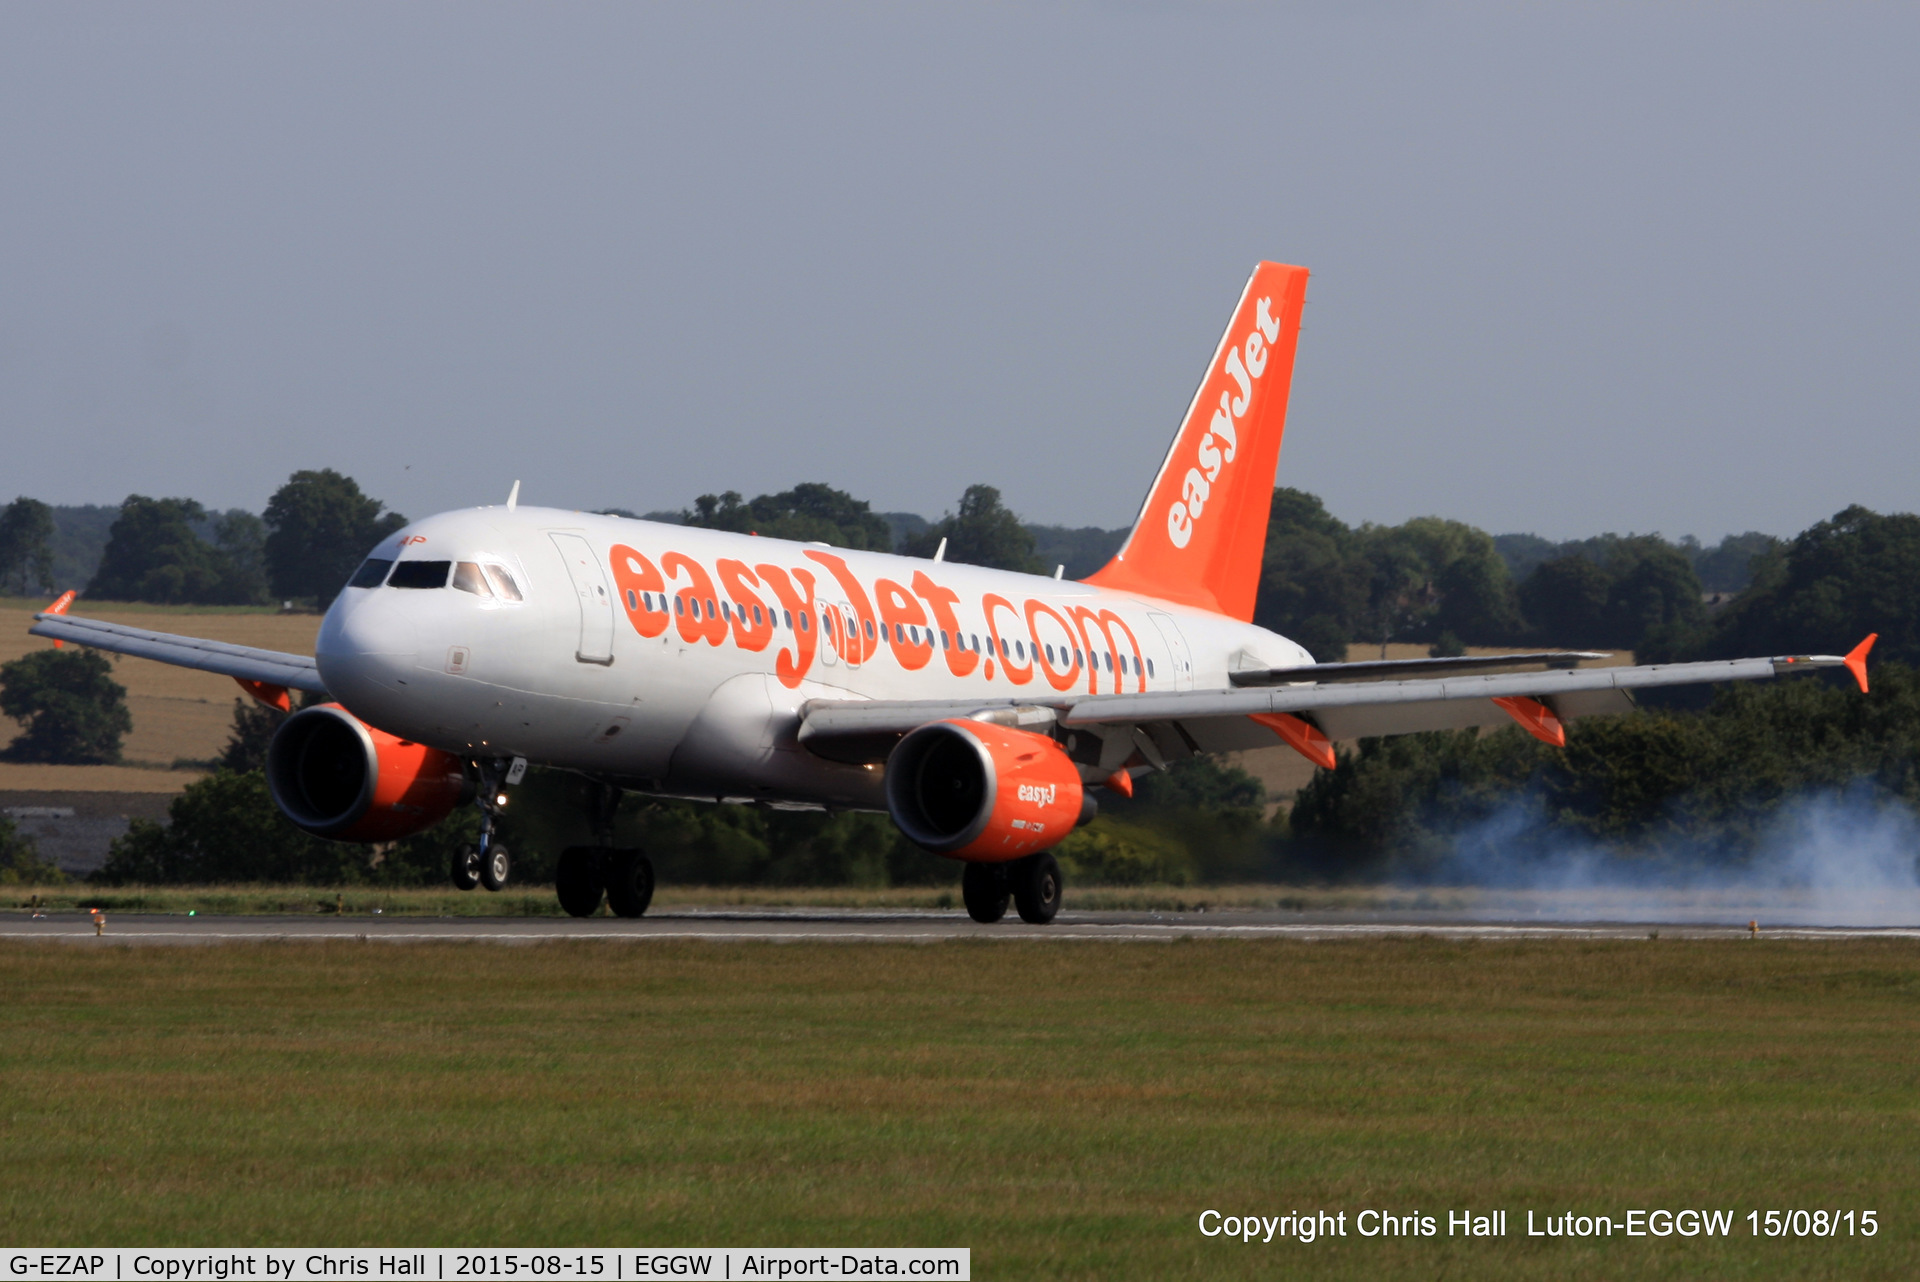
(486,864)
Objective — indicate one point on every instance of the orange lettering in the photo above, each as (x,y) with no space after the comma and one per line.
(694,607)
(863,647)
(1009,658)
(749,633)
(899,611)
(792,671)
(1066,676)
(960,660)
(636,579)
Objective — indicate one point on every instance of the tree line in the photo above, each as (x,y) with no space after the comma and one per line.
(1697,782)
(174,551)
(1430,581)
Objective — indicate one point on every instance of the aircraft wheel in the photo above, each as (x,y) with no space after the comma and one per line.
(629,882)
(577,880)
(984,888)
(495,868)
(1036,888)
(466,867)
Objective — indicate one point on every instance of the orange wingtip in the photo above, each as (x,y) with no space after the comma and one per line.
(1303,737)
(59,606)
(1857,660)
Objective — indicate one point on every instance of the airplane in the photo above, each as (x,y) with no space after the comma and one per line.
(982,709)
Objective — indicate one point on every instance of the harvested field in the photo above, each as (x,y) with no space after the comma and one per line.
(178,714)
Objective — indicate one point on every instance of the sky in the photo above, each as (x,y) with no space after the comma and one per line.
(1577,268)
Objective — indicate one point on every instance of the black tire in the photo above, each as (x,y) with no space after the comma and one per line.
(466,867)
(496,868)
(629,882)
(1036,888)
(577,881)
(984,888)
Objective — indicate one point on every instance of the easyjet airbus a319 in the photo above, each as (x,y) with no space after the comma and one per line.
(981,709)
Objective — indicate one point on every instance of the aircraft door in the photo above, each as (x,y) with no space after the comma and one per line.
(1177,653)
(850,631)
(596,600)
(827,649)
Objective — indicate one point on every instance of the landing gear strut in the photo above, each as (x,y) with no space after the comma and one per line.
(487,863)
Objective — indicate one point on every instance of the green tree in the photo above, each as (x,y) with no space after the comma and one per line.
(26,546)
(1081,551)
(1565,601)
(20,861)
(74,711)
(225,828)
(254,725)
(810,512)
(1653,601)
(981,532)
(1856,573)
(1729,565)
(153,554)
(319,527)
(1478,604)
(1658,788)
(241,538)
(1313,578)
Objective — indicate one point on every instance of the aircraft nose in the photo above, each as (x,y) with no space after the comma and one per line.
(366,645)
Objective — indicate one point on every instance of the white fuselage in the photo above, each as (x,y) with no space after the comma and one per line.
(678,659)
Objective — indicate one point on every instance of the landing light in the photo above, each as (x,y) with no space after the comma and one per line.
(500,800)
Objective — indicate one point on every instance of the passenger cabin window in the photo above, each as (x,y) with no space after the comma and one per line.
(503,583)
(371,574)
(467,577)
(420,574)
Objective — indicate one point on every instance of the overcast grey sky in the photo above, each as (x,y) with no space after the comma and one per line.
(1577,268)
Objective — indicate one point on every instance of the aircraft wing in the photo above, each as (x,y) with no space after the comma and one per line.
(266,668)
(1305,715)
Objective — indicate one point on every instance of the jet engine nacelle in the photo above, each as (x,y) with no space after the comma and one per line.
(984,792)
(338,777)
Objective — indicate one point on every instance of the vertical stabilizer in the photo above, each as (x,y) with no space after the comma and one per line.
(1199,538)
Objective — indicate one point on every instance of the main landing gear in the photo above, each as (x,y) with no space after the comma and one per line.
(1033,884)
(487,863)
(585,873)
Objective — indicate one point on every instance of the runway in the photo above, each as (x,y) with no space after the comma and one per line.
(847,926)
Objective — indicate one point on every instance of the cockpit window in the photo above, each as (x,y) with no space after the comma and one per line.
(420,574)
(467,577)
(503,583)
(371,574)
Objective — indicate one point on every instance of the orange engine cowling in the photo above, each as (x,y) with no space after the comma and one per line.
(336,776)
(983,792)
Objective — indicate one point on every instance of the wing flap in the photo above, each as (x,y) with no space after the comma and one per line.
(245,663)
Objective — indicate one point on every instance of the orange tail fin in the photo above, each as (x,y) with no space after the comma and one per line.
(1199,539)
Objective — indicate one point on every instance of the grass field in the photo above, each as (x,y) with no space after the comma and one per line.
(1064,1110)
